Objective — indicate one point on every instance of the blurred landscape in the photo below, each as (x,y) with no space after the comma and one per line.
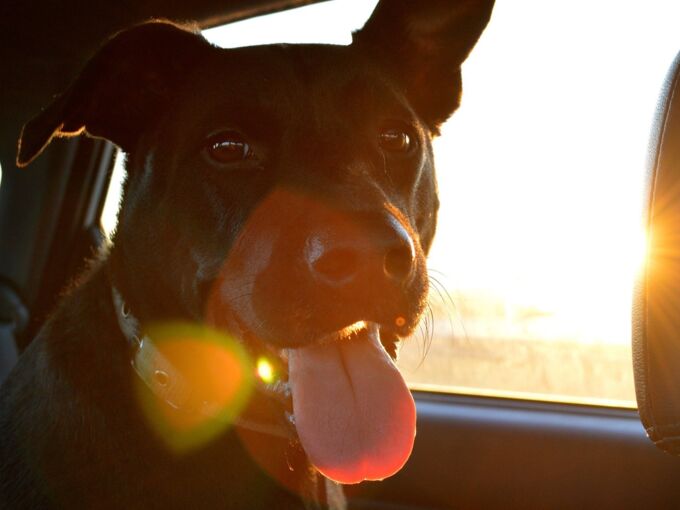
(480,346)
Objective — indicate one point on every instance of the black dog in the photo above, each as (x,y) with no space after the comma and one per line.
(283,195)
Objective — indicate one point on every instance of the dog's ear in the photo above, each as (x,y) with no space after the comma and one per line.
(423,45)
(120,90)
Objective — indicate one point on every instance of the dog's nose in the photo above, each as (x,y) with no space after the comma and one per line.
(400,254)
(336,259)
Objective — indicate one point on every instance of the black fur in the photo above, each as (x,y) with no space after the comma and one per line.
(226,244)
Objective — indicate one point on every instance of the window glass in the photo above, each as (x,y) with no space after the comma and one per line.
(541,176)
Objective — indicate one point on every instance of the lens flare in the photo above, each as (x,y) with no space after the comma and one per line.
(208,386)
(265,370)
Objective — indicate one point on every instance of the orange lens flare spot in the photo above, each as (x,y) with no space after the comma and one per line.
(400,321)
(209,386)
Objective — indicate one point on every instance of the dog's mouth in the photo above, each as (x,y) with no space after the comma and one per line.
(353,413)
(325,291)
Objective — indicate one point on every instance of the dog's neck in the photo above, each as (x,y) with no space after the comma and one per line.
(168,384)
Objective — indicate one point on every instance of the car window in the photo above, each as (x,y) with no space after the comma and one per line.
(541,176)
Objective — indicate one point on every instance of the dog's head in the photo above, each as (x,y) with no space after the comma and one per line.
(286,194)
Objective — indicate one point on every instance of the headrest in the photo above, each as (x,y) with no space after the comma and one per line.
(656,312)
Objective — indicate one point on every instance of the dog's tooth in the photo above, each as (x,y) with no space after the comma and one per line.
(285,388)
(373,330)
(280,387)
(278,390)
(290,417)
(283,354)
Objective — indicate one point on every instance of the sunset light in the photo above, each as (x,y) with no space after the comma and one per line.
(541,177)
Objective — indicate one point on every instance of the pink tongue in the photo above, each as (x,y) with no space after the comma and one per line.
(355,416)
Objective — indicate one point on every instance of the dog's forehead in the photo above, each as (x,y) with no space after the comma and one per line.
(286,81)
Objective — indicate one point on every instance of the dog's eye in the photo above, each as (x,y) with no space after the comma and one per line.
(227,147)
(395,140)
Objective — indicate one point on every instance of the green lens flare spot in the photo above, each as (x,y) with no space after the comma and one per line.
(208,387)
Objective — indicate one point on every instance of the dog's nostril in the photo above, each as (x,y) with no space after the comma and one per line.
(336,266)
(399,262)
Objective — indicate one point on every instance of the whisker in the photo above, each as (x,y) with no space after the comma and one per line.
(421,331)
(449,304)
(426,327)
(234,299)
(428,344)
(440,290)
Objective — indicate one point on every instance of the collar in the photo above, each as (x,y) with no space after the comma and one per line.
(167,383)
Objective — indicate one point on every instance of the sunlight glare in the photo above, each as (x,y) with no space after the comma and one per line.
(265,370)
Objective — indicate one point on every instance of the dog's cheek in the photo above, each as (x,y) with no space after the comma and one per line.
(199,242)
(425,204)
(231,293)
(426,220)
(197,282)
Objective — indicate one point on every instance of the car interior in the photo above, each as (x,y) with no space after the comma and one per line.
(475,448)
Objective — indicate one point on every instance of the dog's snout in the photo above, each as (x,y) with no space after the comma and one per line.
(337,259)
(332,263)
